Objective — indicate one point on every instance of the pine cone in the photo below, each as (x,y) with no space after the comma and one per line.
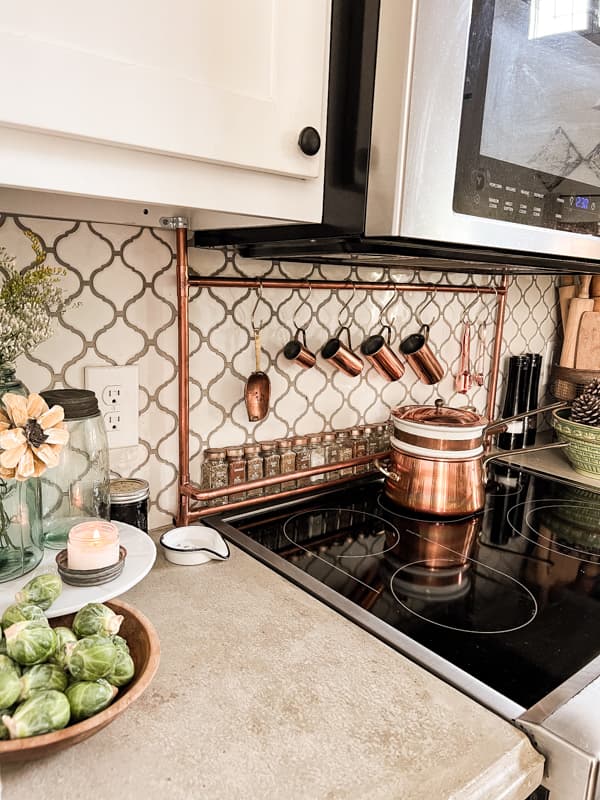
(586,408)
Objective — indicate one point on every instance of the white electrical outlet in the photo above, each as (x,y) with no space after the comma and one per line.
(118,398)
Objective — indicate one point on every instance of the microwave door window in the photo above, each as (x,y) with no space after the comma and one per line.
(529,148)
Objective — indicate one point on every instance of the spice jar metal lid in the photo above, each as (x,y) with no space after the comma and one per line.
(355,432)
(252,449)
(267,447)
(283,444)
(314,438)
(329,437)
(235,452)
(76,403)
(214,454)
(299,441)
(128,490)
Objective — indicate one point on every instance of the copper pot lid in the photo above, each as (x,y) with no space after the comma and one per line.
(439,414)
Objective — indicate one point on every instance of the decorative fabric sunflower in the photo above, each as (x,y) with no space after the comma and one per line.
(31,436)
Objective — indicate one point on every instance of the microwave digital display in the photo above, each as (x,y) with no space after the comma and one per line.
(529,148)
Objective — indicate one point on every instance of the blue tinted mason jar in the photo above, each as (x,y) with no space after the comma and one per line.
(21,541)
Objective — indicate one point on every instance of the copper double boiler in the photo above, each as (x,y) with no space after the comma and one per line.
(438,460)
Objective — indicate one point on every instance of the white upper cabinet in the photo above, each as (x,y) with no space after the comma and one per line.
(215,88)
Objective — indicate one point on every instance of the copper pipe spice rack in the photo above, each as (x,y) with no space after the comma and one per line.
(246,493)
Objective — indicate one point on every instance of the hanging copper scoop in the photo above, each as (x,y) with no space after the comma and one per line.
(258,386)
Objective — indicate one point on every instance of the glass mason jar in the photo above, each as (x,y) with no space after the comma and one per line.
(21,536)
(79,487)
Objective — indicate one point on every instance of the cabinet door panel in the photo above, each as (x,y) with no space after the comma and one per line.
(229,82)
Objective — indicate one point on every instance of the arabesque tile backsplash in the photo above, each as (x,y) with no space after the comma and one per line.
(122,280)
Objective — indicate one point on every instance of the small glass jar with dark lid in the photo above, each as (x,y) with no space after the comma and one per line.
(129,501)
(78,487)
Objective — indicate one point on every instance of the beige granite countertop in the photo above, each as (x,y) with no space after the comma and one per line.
(264,692)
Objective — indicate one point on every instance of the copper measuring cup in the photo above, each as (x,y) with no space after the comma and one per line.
(294,350)
(341,356)
(418,354)
(297,351)
(378,352)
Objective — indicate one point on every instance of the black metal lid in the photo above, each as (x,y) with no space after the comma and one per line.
(77,403)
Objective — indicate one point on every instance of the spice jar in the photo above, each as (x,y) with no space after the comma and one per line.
(300,448)
(78,487)
(359,449)
(129,502)
(287,461)
(254,468)
(382,444)
(271,462)
(332,454)
(236,471)
(344,444)
(215,473)
(317,455)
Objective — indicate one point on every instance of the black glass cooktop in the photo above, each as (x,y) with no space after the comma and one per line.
(510,596)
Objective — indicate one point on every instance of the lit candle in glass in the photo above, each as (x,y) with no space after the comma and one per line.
(93,544)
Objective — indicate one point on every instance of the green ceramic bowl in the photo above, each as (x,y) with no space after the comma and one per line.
(583,451)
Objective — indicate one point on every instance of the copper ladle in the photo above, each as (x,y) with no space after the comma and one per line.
(258,386)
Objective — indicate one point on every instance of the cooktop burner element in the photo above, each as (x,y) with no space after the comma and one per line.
(504,603)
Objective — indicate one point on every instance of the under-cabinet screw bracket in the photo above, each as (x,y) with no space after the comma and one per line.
(174,222)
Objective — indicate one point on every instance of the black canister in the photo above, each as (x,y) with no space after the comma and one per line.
(129,502)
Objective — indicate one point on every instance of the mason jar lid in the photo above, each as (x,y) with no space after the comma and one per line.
(128,490)
(76,403)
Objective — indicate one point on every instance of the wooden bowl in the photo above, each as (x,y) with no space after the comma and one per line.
(144,647)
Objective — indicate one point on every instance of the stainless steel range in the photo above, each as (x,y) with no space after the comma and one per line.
(504,604)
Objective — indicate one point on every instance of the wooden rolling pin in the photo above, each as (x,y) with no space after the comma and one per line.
(566,292)
(577,307)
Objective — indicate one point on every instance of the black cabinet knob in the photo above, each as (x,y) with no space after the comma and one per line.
(309,141)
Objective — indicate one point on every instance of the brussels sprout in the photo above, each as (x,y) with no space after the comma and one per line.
(3,728)
(42,676)
(44,712)
(63,635)
(96,618)
(123,669)
(10,688)
(120,643)
(7,663)
(87,698)
(41,591)
(30,642)
(22,612)
(90,658)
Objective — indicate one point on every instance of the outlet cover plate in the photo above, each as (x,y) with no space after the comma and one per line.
(117,390)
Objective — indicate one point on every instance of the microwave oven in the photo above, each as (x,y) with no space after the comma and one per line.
(461,135)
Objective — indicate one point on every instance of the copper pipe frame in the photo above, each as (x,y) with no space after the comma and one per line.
(369,286)
(495,365)
(187,490)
